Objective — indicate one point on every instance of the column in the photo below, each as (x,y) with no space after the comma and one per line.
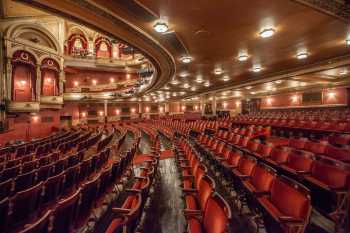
(38,83)
(213,104)
(61,80)
(106,110)
(140,110)
(8,83)
(201,105)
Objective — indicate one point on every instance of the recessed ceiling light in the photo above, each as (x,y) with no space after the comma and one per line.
(348,42)
(248,87)
(256,69)
(161,27)
(242,57)
(186,59)
(174,94)
(302,55)
(274,89)
(218,71)
(174,82)
(186,85)
(166,88)
(207,84)
(226,78)
(199,80)
(253,92)
(343,72)
(302,84)
(267,32)
(183,74)
(278,81)
(193,88)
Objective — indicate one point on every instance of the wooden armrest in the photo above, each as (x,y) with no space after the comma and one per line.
(120,210)
(289,219)
(189,190)
(133,190)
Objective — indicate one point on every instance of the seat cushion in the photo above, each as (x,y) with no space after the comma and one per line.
(187,184)
(114,225)
(191,202)
(270,208)
(194,226)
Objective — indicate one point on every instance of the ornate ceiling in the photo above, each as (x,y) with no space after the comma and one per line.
(215,34)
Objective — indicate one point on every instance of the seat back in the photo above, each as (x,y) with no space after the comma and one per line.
(299,161)
(65,213)
(315,147)
(253,145)
(279,155)
(52,188)
(334,174)
(217,215)
(246,165)
(201,171)
(291,198)
(4,214)
(262,177)
(42,225)
(25,204)
(205,189)
(235,158)
(89,193)
(297,143)
(264,150)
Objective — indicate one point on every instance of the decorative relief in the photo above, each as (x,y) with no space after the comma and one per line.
(334,8)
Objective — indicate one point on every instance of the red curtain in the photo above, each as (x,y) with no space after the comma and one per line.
(23,83)
(49,83)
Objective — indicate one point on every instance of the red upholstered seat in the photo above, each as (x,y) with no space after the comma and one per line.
(197,199)
(263,150)
(261,180)
(341,154)
(233,161)
(215,219)
(288,204)
(277,156)
(297,143)
(315,147)
(245,167)
(298,163)
(42,225)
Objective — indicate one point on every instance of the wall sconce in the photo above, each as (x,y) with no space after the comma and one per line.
(101,113)
(294,98)
(76,83)
(133,110)
(127,76)
(117,111)
(94,82)
(183,108)
(196,107)
(331,94)
(83,114)
(48,80)
(147,109)
(224,104)
(22,83)
(111,80)
(35,118)
(161,109)
(269,100)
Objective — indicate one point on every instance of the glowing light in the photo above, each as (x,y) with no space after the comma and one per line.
(238,103)
(218,71)
(133,110)
(196,107)
(267,32)
(76,83)
(117,111)
(35,118)
(101,113)
(83,114)
(243,57)
(23,82)
(224,104)
(94,81)
(111,80)
(48,80)
(269,100)
(127,76)
(331,94)
(147,109)
(183,107)
(257,68)
(186,59)
(161,109)
(248,87)
(294,98)
(161,27)
(302,55)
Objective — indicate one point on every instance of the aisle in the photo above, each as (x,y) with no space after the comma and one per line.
(167,206)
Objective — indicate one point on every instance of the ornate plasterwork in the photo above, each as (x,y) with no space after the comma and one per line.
(337,9)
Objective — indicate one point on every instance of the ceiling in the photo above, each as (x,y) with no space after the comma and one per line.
(214,34)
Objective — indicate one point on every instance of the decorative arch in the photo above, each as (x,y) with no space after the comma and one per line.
(50,70)
(77,45)
(103,47)
(23,76)
(34,35)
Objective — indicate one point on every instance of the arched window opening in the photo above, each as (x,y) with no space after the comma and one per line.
(23,77)
(49,77)
(77,45)
(103,48)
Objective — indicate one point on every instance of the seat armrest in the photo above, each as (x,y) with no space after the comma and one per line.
(303,172)
(220,158)
(187,177)
(121,211)
(244,177)
(186,167)
(139,177)
(289,219)
(133,190)
(189,190)
(193,213)
(261,193)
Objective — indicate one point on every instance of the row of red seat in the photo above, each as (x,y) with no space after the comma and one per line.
(67,175)
(317,173)
(127,217)
(206,210)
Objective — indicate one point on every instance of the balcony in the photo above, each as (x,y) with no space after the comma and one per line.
(23,107)
(55,102)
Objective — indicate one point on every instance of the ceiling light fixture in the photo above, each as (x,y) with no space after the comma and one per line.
(186,85)
(193,88)
(186,59)
(278,81)
(248,87)
(207,84)
(242,57)
(256,69)
(343,72)
(174,82)
(253,92)
(161,27)
(267,32)
(217,71)
(302,55)
(226,78)
(348,42)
